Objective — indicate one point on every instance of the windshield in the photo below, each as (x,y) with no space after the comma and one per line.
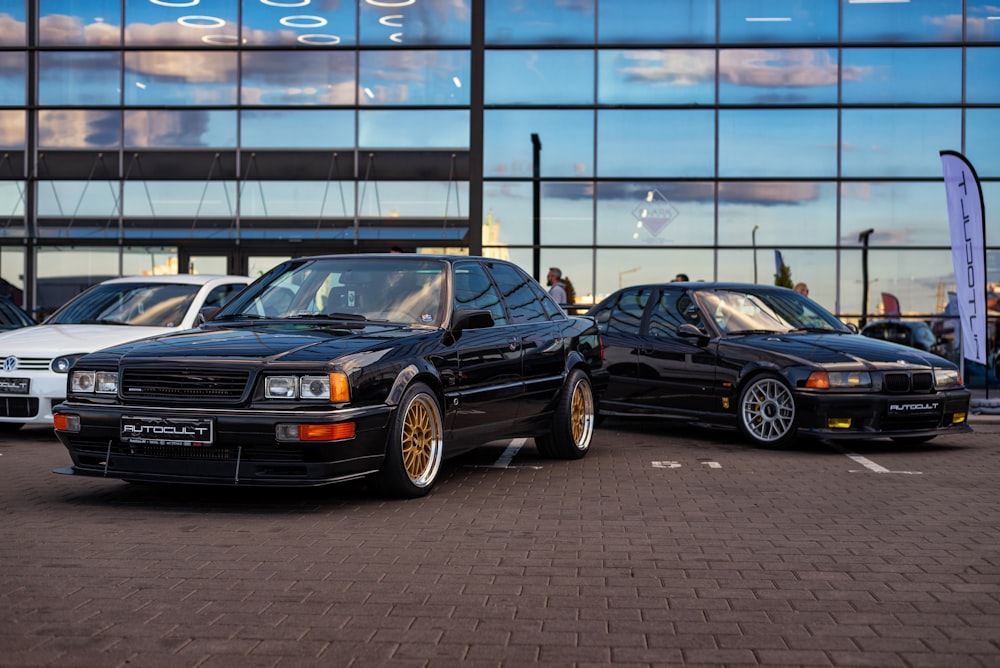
(141,304)
(741,312)
(348,289)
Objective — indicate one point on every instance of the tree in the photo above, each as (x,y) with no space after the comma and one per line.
(784,279)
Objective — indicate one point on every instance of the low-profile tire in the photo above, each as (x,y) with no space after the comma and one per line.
(767,415)
(415,445)
(912,440)
(10,427)
(572,422)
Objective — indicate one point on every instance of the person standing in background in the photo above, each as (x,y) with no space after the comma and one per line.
(556,287)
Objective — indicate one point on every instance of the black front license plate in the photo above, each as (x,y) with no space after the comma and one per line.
(185,432)
(14,385)
(897,409)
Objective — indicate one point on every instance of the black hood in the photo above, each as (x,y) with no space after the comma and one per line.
(814,348)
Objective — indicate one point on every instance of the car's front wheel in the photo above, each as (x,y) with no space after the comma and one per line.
(415,445)
(767,411)
(573,421)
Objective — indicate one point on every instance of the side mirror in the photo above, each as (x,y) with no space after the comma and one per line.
(471,319)
(205,314)
(854,328)
(688,331)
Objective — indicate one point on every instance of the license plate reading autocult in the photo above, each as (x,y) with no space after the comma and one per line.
(187,432)
(14,385)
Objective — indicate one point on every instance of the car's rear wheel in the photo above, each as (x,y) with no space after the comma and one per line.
(415,446)
(767,411)
(573,421)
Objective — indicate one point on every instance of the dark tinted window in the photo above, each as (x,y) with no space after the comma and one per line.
(221,294)
(515,285)
(624,316)
(672,309)
(473,290)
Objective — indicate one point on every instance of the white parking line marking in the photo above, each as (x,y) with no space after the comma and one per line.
(867,463)
(666,465)
(712,465)
(504,460)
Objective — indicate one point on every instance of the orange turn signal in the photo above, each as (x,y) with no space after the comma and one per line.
(326,432)
(818,380)
(340,389)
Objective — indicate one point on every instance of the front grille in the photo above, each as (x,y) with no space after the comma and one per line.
(901,382)
(19,407)
(32,363)
(139,384)
(97,449)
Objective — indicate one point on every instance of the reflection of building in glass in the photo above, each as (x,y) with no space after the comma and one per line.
(241,132)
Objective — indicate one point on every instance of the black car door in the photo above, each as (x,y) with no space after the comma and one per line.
(482,373)
(678,372)
(539,325)
(619,319)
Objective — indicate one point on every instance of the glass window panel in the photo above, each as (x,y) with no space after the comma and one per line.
(404,22)
(295,78)
(295,128)
(656,76)
(11,206)
(902,214)
(778,143)
(299,24)
(181,78)
(13,27)
(660,213)
(653,142)
(179,199)
(413,129)
(664,22)
(577,265)
(622,267)
(297,199)
(778,76)
(181,23)
(567,139)
(12,130)
(424,199)
(982,141)
(797,213)
(80,22)
(897,142)
(902,76)
(888,22)
(983,74)
(920,279)
(982,23)
(539,77)
(69,128)
(180,129)
(540,22)
(777,21)
(12,273)
(149,261)
(508,213)
(567,214)
(70,199)
(66,271)
(77,78)
(414,77)
(13,73)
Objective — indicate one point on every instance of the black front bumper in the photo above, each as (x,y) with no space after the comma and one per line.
(244,451)
(883,415)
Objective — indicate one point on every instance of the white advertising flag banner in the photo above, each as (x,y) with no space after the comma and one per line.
(965,219)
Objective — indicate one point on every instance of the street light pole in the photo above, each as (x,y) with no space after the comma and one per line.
(627,271)
(753,240)
(863,238)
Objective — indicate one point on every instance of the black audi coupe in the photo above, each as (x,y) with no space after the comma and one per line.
(332,368)
(770,362)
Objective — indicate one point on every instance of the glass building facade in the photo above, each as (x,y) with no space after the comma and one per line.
(621,140)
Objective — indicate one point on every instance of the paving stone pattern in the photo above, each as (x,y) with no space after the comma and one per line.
(662,547)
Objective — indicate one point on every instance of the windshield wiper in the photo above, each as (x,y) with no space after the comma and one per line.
(740,332)
(821,330)
(238,316)
(105,321)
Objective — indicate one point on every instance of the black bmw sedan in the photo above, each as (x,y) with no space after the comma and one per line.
(770,362)
(333,368)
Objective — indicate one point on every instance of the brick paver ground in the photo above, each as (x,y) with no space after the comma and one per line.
(655,550)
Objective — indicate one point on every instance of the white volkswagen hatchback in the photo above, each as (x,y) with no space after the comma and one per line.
(35,359)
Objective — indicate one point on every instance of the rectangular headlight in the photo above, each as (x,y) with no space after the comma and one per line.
(945,378)
(280,387)
(107,382)
(314,387)
(83,381)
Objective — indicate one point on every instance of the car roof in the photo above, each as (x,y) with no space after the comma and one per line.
(712,285)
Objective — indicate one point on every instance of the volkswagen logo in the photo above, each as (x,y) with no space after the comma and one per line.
(10,363)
